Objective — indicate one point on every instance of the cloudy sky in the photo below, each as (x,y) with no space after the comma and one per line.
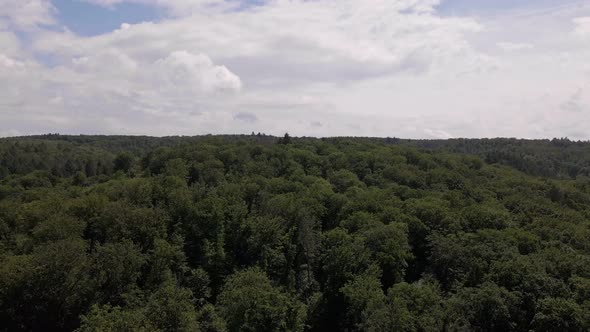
(403,68)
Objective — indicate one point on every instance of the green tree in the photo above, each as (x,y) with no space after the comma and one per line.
(170,308)
(116,268)
(417,307)
(249,302)
(485,308)
(286,139)
(123,162)
(115,319)
(367,308)
(558,314)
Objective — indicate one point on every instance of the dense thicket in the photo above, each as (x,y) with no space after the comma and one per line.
(254,233)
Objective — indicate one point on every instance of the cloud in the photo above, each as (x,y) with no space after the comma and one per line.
(178,73)
(576,102)
(582,26)
(325,67)
(246,117)
(26,14)
(10,63)
(110,91)
(297,41)
(10,133)
(437,133)
(196,72)
(9,43)
(513,47)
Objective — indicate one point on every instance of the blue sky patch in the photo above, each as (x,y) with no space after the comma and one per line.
(90,20)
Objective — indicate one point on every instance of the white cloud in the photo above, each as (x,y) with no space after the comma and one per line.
(513,47)
(297,40)
(182,69)
(582,26)
(25,14)
(9,44)
(111,62)
(246,117)
(324,67)
(578,102)
(179,74)
(9,133)
(10,63)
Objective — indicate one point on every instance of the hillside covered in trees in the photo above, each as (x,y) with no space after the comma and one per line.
(257,233)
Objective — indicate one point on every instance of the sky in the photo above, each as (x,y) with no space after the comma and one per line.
(387,68)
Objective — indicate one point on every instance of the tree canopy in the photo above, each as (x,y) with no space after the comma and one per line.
(258,233)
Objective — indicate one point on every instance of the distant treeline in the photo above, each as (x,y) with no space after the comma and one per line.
(558,158)
(64,155)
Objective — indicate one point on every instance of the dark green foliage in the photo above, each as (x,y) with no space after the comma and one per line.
(239,233)
(115,319)
(167,309)
(558,157)
(249,302)
(419,306)
(484,308)
(285,140)
(123,162)
(558,314)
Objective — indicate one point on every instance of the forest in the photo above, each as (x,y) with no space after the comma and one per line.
(261,233)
